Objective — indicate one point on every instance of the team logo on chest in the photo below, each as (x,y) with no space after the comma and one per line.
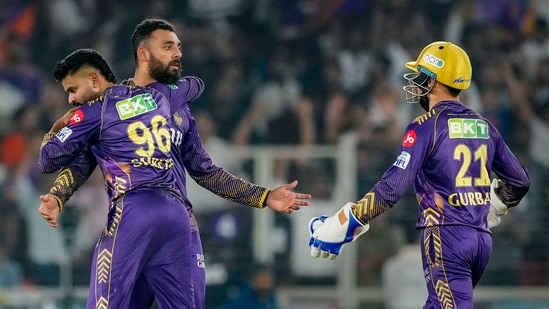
(134,106)
(177,119)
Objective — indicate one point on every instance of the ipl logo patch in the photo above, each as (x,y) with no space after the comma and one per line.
(402,160)
(63,134)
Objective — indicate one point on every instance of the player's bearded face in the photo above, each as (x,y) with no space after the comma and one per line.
(163,72)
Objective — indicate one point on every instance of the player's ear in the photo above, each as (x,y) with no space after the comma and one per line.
(94,79)
(142,53)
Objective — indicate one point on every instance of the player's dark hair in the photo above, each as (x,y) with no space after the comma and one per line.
(143,31)
(80,58)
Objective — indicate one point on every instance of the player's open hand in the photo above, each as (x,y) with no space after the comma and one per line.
(49,210)
(282,199)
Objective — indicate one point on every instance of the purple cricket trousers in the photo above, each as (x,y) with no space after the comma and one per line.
(147,237)
(454,259)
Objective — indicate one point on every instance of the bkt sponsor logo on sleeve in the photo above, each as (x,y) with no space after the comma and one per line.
(467,128)
(63,134)
(402,160)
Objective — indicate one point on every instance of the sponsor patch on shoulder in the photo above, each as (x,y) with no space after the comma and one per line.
(63,134)
(402,160)
(77,117)
(409,139)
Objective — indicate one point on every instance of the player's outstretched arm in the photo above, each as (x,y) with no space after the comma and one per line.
(49,209)
(282,199)
(329,234)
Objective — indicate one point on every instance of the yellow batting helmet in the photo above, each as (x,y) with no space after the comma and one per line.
(446,62)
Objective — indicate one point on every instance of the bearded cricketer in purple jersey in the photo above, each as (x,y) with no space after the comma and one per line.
(148,232)
(157,53)
(156,50)
(448,154)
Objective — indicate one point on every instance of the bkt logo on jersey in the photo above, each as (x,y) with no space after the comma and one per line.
(134,106)
(439,63)
(467,128)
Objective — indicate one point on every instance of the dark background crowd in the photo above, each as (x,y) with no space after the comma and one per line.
(277,72)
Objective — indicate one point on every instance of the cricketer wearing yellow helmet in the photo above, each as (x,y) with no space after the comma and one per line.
(448,154)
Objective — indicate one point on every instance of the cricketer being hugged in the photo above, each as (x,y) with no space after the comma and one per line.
(148,232)
(130,120)
(464,176)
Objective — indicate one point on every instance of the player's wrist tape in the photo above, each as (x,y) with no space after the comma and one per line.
(60,202)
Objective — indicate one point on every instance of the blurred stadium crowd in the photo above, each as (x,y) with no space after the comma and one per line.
(300,72)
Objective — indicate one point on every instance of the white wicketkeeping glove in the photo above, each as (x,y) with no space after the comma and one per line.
(329,234)
(497,208)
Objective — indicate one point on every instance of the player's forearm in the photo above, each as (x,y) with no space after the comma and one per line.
(232,188)
(369,207)
(511,195)
(64,186)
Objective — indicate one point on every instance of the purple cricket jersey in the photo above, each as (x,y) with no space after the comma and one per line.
(127,131)
(449,154)
(147,234)
(190,155)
